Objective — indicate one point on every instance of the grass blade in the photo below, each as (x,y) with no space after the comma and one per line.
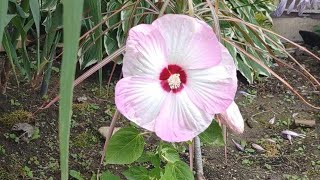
(35,10)
(3,13)
(22,32)
(47,75)
(72,10)
(95,12)
(11,53)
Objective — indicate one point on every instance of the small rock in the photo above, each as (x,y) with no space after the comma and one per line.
(82,99)
(271,121)
(25,127)
(104,130)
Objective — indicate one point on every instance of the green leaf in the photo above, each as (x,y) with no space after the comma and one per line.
(93,177)
(48,5)
(125,15)
(35,134)
(89,57)
(113,6)
(3,13)
(35,10)
(11,53)
(156,173)
(22,13)
(150,157)
(177,171)
(95,12)
(110,42)
(244,69)
(18,23)
(125,146)
(76,175)
(106,175)
(212,135)
(180,6)
(72,14)
(136,173)
(169,154)
(255,66)
(28,171)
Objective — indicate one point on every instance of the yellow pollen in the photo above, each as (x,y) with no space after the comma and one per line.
(174,81)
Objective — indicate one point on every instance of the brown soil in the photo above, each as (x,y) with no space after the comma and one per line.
(280,161)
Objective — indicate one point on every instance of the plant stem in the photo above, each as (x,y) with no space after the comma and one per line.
(191,9)
(109,134)
(225,136)
(191,154)
(163,8)
(198,158)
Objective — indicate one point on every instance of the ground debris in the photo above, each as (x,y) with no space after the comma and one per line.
(27,128)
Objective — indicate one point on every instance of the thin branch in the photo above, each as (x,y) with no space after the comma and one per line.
(163,8)
(191,155)
(215,20)
(274,74)
(153,5)
(191,9)
(110,78)
(109,134)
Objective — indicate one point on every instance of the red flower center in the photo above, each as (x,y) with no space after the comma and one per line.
(172,78)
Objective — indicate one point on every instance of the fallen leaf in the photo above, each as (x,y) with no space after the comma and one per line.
(238,146)
(257,147)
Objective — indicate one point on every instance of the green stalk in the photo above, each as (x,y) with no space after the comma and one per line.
(72,11)
(47,75)
(35,10)
(3,15)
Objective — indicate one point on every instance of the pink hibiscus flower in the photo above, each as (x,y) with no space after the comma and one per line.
(177,76)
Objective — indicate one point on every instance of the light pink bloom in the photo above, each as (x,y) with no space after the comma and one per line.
(232,118)
(177,76)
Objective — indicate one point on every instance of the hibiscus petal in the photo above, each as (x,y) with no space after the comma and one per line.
(232,118)
(192,44)
(213,89)
(146,52)
(180,120)
(140,99)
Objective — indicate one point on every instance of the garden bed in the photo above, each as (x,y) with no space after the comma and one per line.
(262,101)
